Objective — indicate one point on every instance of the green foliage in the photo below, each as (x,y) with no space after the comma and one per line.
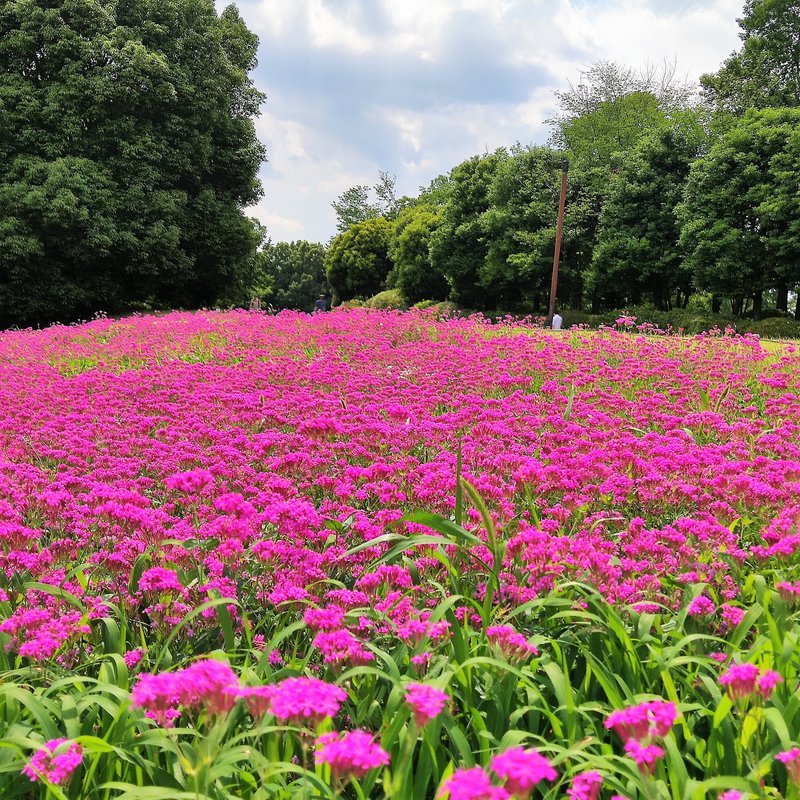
(357,261)
(616,126)
(458,247)
(637,254)
(294,273)
(356,204)
(766,71)
(391,298)
(520,228)
(127,151)
(409,252)
(689,320)
(740,221)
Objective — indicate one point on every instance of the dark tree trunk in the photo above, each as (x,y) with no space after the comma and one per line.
(782,301)
(758,299)
(716,303)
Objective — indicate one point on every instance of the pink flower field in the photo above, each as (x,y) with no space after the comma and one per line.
(373,554)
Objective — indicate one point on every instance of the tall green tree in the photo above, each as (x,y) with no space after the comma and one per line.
(765,72)
(459,247)
(519,228)
(740,220)
(637,255)
(601,120)
(357,262)
(127,153)
(409,251)
(294,273)
(614,128)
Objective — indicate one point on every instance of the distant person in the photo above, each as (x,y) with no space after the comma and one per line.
(557,320)
(321,304)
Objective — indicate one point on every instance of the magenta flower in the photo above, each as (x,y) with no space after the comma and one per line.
(258,698)
(791,760)
(521,770)
(700,606)
(324,619)
(585,786)
(426,702)
(340,647)
(747,681)
(731,615)
(132,658)
(790,592)
(159,580)
(306,700)
(159,695)
(211,684)
(767,682)
(645,756)
(513,645)
(190,482)
(351,754)
(471,784)
(644,721)
(54,762)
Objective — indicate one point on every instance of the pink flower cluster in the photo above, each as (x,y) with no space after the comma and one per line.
(54,762)
(791,760)
(585,786)
(639,726)
(518,770)
(748,682)
(512,644)
(351,754)
(426,701)
(213,686)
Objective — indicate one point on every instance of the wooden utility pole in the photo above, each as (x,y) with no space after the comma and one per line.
(559,230)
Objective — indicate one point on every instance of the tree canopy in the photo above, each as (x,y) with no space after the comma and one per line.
(741,214)
(636,256)
(293,274)
(765,72)
(127,153)
(357,261)
(360,203)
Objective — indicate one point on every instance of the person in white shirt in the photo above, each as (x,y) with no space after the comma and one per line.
(557,320)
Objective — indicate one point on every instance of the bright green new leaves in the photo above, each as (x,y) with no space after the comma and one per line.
(127,151)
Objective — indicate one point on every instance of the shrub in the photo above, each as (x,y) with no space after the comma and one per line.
(391,298)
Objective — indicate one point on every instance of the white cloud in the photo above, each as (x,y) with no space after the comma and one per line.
(328,27)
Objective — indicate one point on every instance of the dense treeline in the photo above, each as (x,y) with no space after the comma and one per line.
(671,193)
(127,153)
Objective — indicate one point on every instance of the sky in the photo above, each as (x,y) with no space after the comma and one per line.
(414,87)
